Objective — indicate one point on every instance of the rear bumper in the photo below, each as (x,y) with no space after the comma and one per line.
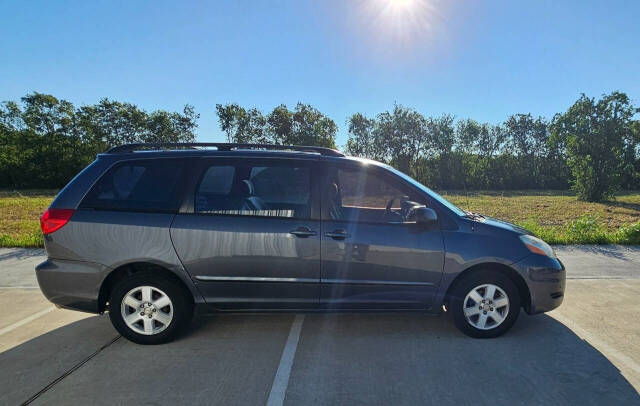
(71,284)
(546,278)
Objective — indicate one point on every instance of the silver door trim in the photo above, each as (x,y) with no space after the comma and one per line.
(254,279)
(375,282)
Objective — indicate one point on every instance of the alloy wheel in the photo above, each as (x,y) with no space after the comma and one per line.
(147,310)
(486,306)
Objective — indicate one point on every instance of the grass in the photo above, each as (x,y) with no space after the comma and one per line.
(20,214)
(557,217)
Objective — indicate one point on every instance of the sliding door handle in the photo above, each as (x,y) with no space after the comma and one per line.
(303,232)
(338,234)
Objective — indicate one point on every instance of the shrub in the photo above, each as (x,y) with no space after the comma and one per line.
(586,230)
(629,234)
(552,235)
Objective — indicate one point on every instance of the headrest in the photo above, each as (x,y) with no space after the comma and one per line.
(246,188)
(333,191)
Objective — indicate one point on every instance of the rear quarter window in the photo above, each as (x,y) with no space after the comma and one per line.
(144,185)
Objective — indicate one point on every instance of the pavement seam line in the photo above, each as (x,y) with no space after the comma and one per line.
(26,320)
(281,380)
(69,372)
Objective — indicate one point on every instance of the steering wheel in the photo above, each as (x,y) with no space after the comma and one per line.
(405,207)
(387,211)
(393,216)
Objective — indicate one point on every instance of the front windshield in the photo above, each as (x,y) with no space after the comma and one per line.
(428,191)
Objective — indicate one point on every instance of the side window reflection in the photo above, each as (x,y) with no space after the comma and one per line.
(357,195)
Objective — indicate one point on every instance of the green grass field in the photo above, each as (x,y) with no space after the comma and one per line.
(555,216)
(20,218)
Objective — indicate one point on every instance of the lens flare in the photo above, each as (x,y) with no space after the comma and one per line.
(400,5)
(402,21)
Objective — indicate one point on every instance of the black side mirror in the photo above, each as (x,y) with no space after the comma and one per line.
(425,216)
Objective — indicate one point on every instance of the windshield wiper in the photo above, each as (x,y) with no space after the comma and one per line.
(473,216)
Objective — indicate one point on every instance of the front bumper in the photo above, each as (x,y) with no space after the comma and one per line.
(546,279)
(71,284)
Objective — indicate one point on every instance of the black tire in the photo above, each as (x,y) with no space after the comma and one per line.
(464,286)
(181,304)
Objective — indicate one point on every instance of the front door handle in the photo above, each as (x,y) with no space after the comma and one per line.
(302,232)
(339,234)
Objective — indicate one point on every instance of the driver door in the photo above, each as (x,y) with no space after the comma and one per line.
(372,257)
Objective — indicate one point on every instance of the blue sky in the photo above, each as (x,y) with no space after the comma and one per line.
(478,59)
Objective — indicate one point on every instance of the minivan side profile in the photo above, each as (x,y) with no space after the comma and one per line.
(153,232)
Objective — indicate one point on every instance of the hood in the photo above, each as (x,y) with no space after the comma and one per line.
(504,225)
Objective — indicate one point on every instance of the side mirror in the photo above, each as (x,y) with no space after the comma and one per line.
(425,216)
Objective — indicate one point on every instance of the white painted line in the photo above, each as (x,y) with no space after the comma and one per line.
(26,320)
(281,381)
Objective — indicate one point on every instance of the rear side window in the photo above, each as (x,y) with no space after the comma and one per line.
(279,190)
(217,180)
(281,184)
(145,185)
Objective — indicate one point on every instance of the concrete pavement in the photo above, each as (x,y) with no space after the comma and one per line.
(600,261)
(585,352)
(17,266)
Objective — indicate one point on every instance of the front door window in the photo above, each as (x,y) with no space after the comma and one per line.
(356,195)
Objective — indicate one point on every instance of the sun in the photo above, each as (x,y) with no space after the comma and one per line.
(402,20)
(402,5)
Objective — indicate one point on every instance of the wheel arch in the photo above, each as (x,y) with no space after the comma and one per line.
(523,289)
(132,268)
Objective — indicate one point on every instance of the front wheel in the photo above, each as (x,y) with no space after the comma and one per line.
(149,309)
(485,304)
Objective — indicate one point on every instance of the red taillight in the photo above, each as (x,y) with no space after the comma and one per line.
(54,219)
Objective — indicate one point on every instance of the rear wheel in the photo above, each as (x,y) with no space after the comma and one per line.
(485,304)
(149,309)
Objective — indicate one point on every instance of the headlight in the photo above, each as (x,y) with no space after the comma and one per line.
(537,246)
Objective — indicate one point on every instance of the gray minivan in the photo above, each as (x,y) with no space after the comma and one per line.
(153,232)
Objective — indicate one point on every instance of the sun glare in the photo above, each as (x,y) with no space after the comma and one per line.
(401,5)
(404,21)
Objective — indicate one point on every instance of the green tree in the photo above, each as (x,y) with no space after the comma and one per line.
(631,170)
(361,141)
(242,125)
(305,125)
(45,141)
(442,139)
(479,145)
(397,137)
(527,141)
(594,134)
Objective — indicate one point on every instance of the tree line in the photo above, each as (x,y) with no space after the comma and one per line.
(593,147)
(45,141)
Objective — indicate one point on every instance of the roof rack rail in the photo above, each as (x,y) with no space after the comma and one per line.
(221,146)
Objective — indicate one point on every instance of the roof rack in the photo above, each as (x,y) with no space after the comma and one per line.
(221,146)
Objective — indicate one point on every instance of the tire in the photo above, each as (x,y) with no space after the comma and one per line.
(160,319)
(499,318)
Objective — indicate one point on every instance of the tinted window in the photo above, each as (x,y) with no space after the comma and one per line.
(365,195)
(276,191)
(429,192)
(281,184)
(218,180)
(146,185)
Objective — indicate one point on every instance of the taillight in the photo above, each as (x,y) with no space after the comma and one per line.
(54,219)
